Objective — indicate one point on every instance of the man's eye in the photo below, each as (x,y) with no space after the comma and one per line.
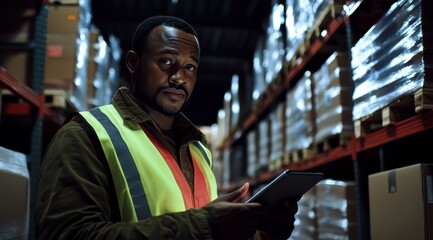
(190,68)
(166,61)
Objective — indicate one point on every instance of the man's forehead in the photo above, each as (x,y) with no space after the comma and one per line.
(168,34)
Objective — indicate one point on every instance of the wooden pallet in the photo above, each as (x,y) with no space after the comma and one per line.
(298,155)
(275,164)
(333,141)
(405,107)
(332,11)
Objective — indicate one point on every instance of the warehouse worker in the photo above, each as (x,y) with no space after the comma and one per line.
(138,168)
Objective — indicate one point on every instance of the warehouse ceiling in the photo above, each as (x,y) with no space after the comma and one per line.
(227,30)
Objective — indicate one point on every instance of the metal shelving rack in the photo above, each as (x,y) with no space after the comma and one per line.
(352,152)
(34,97)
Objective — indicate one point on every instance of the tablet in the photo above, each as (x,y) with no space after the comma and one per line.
(288,184)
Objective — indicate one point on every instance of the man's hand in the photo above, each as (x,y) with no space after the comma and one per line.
(231,220)
(278,223)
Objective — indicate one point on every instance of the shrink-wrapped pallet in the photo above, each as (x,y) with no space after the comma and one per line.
(277,118)
(333,97)
(393,59)
(305,226)
(15,191)
(300,116)
(263,145)
(336,210)
(252,152)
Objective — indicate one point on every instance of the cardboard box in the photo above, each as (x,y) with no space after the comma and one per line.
(401,203)
(61,46)
(19,63)
(15,195)
(59,73)
(17,21)
(63,19)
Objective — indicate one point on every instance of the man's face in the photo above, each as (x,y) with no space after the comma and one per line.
(167,70)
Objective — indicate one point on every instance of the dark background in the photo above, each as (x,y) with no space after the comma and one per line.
(227,30)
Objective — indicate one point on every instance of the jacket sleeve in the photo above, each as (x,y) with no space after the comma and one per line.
(76,199)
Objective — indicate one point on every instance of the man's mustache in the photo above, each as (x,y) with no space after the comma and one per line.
(175,86)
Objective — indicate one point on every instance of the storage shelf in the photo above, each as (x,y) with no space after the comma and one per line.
(405,128)
(289,79)
(23,91)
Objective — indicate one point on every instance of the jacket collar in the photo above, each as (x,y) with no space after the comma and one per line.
(127,106)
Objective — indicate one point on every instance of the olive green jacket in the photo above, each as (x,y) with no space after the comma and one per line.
(75,196)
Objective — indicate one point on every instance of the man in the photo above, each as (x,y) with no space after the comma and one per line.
(138,168)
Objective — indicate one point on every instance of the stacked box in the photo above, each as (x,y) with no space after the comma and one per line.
(252,153)
(15,191)
(217,153)
(106,78)
(226,167)
(300,115)
(273,52)
(235,103)
(300,17)
(336,210)
(260,84)
(222,127)
(333,97)
(19,63)
(237,163)
(17,24)
(17,21)
(305,226)
(394,58)
(92,66)
(67,49)
(401,203)
(277,135)
(263,145)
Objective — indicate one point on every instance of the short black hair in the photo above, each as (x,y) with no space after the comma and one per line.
(144,28)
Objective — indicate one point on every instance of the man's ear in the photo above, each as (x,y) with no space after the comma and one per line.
(132,61)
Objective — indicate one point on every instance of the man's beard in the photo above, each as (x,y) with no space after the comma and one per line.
(153,103)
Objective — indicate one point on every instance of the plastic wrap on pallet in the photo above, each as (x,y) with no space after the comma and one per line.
(14,187)
(273,53)
(235,104)
(299,119)
(107,77)
(333,97)
(300,17)
(263,144)
(336,209)
(114,70)
(217,166)
(237,163)
(252,151)
(259,71)
(305,218)
(79,92)
(101,82)
(226,167)
(388,60)
(318,6)
(277,132)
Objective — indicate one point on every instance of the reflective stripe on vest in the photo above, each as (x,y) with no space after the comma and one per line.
(136,169)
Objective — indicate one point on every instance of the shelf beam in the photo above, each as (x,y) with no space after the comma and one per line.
(254,117)
(393,132)
(20,89)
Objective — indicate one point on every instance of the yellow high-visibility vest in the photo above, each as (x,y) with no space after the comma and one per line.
(148,181)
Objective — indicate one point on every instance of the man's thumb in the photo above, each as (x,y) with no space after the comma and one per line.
(238,193)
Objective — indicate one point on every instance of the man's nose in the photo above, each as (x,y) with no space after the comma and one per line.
(178,77)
